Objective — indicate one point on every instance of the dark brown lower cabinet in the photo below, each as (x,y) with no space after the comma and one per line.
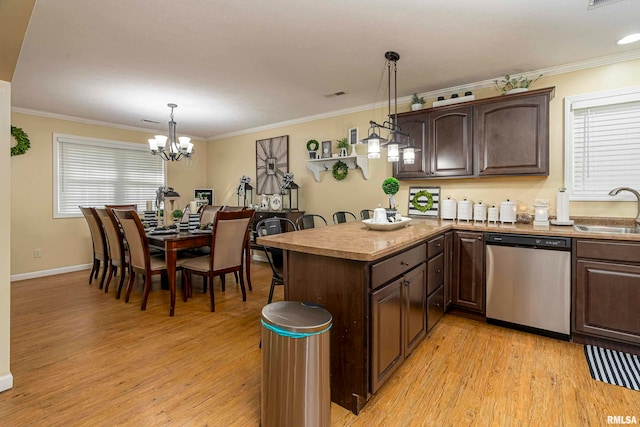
(468,271)
(448,269)
(607,293)
(398,322)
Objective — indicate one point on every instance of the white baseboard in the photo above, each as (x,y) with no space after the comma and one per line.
(52,272)
(6,382)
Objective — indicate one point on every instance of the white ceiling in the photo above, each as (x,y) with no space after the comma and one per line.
(232,65)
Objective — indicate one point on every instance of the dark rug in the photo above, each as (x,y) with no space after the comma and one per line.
(613,367)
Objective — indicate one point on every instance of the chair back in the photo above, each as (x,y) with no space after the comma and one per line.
(114,236)
(228,208)
(269,227)
(229,239)
(135,236)
(307,221)
(98,239)
(208,214)
(343,216)
(366,214)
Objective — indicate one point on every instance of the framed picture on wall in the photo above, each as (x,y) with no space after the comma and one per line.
(204,193)
(272,162)
(353,136)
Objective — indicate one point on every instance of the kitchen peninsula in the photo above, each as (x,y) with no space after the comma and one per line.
(384,289)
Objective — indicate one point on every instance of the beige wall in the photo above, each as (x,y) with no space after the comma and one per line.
(6,380)
(66,242)
(220,164)
(232,157)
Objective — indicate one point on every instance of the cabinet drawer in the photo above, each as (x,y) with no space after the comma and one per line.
(435,273)
(609,250)
(435,307)
(386,270)
(435,246)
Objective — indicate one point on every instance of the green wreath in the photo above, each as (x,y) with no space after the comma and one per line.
(340,170)
(23,141)
(312,145)
(415,202)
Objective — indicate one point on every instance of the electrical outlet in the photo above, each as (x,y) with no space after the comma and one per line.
(37,253)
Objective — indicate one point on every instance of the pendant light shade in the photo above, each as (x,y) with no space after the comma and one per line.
(393,152)
(409,156)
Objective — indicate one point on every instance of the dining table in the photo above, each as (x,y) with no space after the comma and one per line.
(172,243)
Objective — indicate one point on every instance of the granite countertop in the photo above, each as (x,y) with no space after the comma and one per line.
(355,241)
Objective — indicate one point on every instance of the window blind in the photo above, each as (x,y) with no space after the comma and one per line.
(604,146)
(92,172)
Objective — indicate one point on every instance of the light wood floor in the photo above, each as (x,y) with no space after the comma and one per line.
(79,357)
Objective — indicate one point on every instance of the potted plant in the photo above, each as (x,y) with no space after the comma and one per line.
(510,84)
(417,102)
(343,145)
(391,186)
(312,148)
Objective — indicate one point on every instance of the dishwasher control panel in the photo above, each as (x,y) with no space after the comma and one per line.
(524,240)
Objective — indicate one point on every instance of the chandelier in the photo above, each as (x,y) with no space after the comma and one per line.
(171,148)
(396,139)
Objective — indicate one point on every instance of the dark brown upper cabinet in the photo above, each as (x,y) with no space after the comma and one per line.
(499,136)
(511,137)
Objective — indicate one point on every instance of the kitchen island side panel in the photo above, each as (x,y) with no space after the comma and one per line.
(341,286)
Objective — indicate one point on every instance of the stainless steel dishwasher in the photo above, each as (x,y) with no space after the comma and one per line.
(529,283)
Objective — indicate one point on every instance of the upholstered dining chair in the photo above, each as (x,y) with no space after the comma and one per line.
(228,243)
(99,242)
(343,216)
(366,214)
(228,208)
(310,221)
(208,213)
(117,263)
(140,260)
(269,227)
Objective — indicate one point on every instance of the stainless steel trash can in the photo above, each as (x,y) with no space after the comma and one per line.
(295,365)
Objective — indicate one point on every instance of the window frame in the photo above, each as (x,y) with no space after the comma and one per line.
(88,141)
(586,100)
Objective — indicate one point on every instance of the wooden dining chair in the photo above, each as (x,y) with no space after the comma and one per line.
(228,243)
(99,243)
(140,262)
(366,214)
(343,216)
(307,221)
(269,227)
(228,208)
(118,261)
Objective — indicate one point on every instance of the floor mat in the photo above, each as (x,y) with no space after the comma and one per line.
(613,367)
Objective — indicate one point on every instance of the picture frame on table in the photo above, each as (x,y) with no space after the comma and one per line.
(424,202)
(204,193)
(326,149)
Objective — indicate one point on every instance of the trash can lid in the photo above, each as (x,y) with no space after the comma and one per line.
(296,316)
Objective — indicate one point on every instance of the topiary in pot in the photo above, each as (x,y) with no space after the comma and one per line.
(391,186)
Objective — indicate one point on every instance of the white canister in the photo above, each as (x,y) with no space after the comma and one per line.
(448,208)
(465,210)
(479,212)
(508,211)
(493,214)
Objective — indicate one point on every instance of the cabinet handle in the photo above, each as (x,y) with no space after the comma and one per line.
(438,245)
(404,263)
(438,271)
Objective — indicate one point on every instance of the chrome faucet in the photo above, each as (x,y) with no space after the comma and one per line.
(615,191)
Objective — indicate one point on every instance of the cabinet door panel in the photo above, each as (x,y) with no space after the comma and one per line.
(416,127)
(435,308)
(468,270)
(386,307)
(450,141)
(512,137)
(448,269)
(415,307)
(607,297)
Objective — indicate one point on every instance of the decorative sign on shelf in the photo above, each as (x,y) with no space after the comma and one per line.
(424,202)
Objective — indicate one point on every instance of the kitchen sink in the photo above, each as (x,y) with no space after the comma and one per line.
(606,229)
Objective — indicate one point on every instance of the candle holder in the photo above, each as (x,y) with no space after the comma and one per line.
(541,217)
